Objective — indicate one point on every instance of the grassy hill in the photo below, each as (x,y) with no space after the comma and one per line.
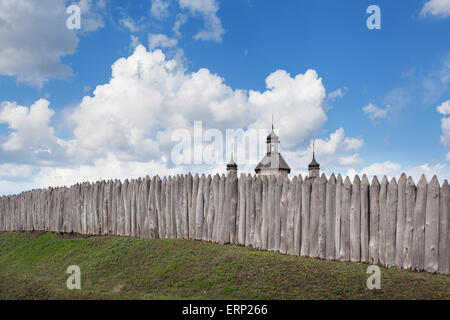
(33,265)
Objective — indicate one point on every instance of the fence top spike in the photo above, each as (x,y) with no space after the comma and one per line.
(384,180)
(410,181)
(249,176)
(434,180)
(242,175)
(339,178)
(356,179)
(196,176)
(422,181)
(300,178)
(209,178)
(393,181)
(294,179)
(332,179)
(347,181)
(222,176)
(402,177)
(445,184)
(364,180)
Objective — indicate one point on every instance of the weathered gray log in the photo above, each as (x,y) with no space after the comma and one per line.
(418,254)
(189,186)
(167,210)
(382,226)
(410,194)
(401,221)
(173,207)
(355,221)
(199,209)
(257,241)
(217,199)
(241,217)
(226,213)
(177,205)
(249,211)
(290,216)
(306,200)
(211,209)
(345,220)
(159,193)
(330,208)
(374,196)
(322,229)
(391,204)
(298,216)
(265,213)
(283,215)
(207,204)
(132,197)
(233,209)
(314,219)
(337,232)
(192,214)
(444,234)
(278,188)
(152,208)
(126,208)
(271,213)
(432,226)
(365,221)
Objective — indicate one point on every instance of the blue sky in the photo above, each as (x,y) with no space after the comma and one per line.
(370,97)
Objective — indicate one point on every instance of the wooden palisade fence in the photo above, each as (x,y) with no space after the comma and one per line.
(388,223)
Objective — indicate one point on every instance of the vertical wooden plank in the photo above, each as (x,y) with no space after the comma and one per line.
(189,186)
(291,197)
(233,209)
(199,209)
(249,211)
(271,212)
(365,222)
(345,220)
(207,204)
(382,226)
(330,208)
(217,199)
(314,219)
(284,215)
(418,254)
(432,226)
(444,236)
(305,214)
(391,204)
(374,194)
(355,221)
(410,194)
(186,192)
(211,209)
(176,206)
(401,221)
(242,222)
(276,212)
(192,223)
(322,217)
(337,232)
(265,214)
(159,207)
(257,241)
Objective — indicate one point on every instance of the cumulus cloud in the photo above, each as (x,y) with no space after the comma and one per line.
(159,9)
(394,170)
(30,126)
(337,94)
(34,38)
(437,8)
(161,41)
(444,108)
(129,120)
(213,29)
(445,138)
(374,113)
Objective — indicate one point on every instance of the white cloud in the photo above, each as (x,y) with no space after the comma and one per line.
(129,23)
(12,170)
(444,108)
(213,29)
(30,126)
(374,113)
(180,20)
(34,38)
(161,41)
(445,139)
(438,8)
(337,94)
(159,9)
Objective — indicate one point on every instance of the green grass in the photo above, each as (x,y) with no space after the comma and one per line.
(33,265)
